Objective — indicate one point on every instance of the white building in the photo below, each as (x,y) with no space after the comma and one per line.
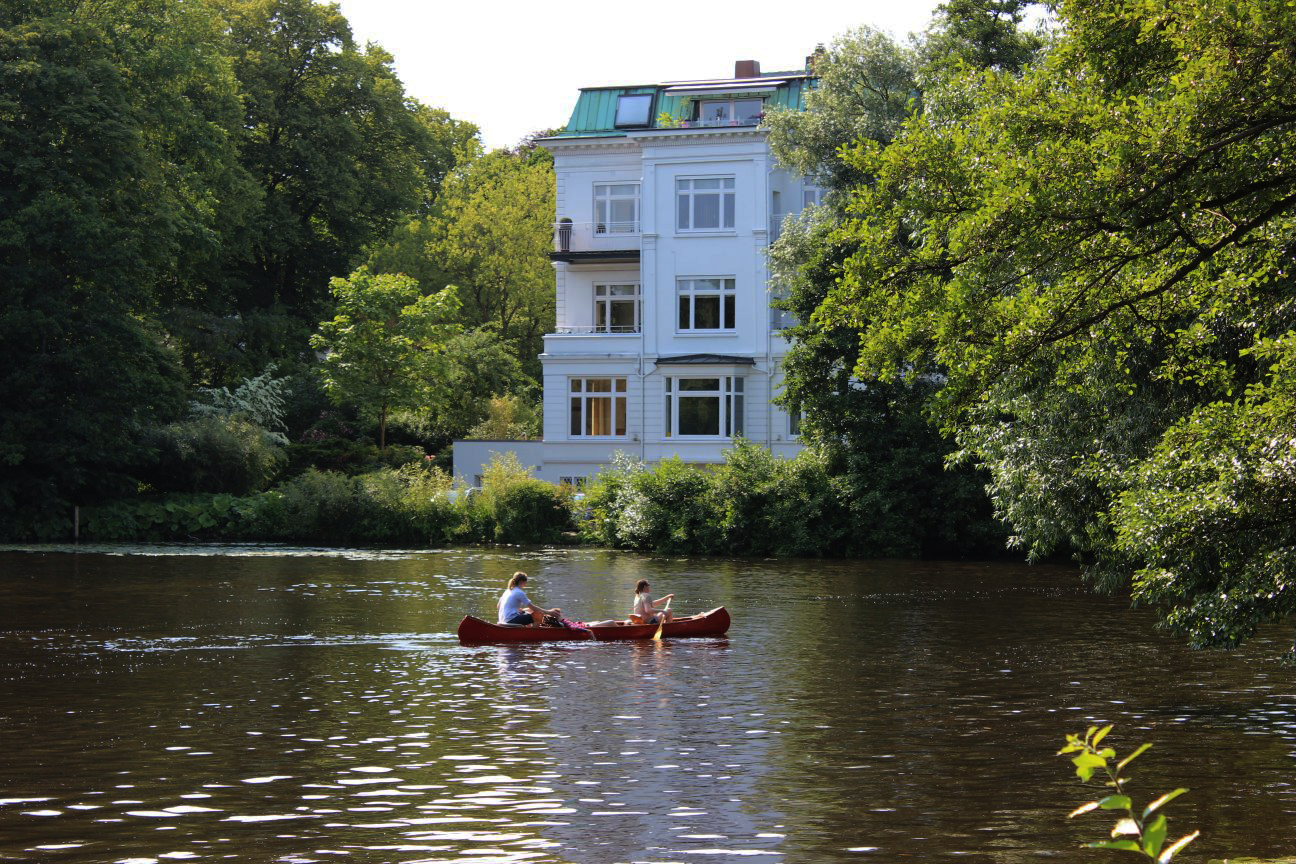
(665,343)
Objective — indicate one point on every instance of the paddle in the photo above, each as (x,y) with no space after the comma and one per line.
(662,626)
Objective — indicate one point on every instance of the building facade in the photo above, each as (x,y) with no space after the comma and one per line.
(665,344)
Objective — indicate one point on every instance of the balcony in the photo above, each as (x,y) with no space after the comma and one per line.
(591,341)
(596,242)
(612,329)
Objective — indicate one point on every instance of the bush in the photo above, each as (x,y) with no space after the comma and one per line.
(180,517)
(514,507)
(754,504)
(509,418)
(667,508)
(316,506)
(409,505)
(213,453)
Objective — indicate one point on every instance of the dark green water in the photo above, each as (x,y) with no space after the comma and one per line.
(162,704)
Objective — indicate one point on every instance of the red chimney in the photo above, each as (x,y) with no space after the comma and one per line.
(746,68)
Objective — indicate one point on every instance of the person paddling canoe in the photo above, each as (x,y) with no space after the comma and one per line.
(645,608)
(516,608)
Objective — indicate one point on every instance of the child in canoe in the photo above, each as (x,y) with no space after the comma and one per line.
(645,608)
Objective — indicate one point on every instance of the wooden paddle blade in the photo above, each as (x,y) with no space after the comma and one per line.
(662,626)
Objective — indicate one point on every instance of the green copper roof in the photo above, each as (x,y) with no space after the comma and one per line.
(595,111)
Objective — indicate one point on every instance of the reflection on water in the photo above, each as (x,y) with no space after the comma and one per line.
(239,703)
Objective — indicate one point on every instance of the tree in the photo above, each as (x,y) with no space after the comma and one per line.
(492,235)
(380,351)
(113,159)
(339,157)
(876,437)
(867,86)
(979,34)
(1099,254)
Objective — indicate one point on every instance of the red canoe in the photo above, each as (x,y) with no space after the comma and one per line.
(474,630)
(713,623)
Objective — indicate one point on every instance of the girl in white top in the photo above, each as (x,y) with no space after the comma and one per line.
(645,608)
(516,608)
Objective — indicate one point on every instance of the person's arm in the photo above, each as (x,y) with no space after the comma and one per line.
(662,600)
(536,610)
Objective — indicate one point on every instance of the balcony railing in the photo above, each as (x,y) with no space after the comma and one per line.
(595,236)
(614,330)
(713,122)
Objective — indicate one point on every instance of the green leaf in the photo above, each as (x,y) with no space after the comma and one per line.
(1124,845)
(1086,763)
(1100,735)
(1160,802)
(1154,836)
(1115,802)
(1130,758)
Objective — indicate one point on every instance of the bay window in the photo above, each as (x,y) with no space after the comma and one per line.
(598,407)
(704,203)
(704,407)
(708,303)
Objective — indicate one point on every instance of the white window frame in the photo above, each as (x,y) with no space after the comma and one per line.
(604,300)
(581,399)
(604,198)
(729,397)
(689,289)
(687,195)
(730,118)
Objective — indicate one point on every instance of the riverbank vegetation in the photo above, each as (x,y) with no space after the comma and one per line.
(415,504)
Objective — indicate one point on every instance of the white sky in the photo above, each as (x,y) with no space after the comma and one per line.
(515,67)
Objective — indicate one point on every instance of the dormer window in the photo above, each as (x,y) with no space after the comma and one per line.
(728,112)
(633,110)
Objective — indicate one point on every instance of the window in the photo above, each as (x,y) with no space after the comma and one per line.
(616,308)
(575,482)
(704,407)
(794,423)
(706,304)
(616,208)
(634,109)
(728,112)
(780,319)
(598,407)
(811,196)
(705,203)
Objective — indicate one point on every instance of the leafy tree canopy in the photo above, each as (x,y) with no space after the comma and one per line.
(381,349)
(1098,255)
(491,237)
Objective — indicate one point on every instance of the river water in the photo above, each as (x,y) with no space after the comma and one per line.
(295,705)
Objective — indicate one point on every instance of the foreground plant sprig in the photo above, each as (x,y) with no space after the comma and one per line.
(1145,833)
